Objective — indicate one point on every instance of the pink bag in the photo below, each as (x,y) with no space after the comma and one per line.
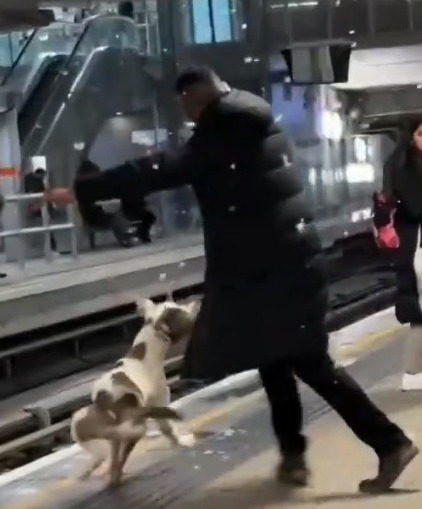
(387,237)
(383,222)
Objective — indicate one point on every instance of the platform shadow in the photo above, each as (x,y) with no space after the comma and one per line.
(268,493)
(393,400)
(235,392)
(339,497)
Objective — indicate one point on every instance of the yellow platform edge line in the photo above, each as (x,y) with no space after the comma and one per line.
(369,342)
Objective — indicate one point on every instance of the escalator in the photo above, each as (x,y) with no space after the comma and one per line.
(33,106)
(70,78)
(29,80)
(105,76)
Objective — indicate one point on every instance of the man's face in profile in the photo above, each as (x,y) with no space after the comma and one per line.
(417,137)
(187,103)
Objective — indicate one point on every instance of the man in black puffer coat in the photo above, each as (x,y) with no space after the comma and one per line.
(266,292)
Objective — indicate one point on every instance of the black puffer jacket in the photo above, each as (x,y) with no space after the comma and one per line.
(265,286)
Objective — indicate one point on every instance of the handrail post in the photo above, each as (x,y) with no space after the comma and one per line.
(47,235)
(46,229)
(21,251)
(73,234)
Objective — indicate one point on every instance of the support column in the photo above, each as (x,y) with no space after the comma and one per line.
(10,176)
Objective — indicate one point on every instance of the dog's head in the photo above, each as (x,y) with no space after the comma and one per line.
(175,321)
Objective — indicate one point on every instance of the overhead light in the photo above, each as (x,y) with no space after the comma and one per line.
(360,173)
(331,125)
(312,176)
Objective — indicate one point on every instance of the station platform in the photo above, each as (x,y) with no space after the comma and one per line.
(232,464)
(338,462)
(46,294)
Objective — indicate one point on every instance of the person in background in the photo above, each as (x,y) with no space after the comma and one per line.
(265,300)
(96,218)
(137,213)
(2,203)
(126,9)
(398,219)
(34,183)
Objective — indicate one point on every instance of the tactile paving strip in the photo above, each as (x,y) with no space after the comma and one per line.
(172,479)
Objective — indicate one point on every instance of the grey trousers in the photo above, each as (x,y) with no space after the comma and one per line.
(413,351)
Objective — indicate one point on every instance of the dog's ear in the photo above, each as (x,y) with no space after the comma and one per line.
(147,308)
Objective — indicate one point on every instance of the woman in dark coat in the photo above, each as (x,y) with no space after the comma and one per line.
(401,204)
(265,293)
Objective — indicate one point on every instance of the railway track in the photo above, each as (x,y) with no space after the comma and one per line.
(49,420)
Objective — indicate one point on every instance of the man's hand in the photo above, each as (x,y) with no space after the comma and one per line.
(59,196)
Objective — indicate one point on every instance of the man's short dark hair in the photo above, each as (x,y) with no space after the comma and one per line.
(193,75)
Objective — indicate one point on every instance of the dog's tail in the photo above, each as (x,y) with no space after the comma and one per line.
(158,412)
(134,430)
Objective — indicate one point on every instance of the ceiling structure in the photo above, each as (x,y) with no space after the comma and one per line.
(24,14)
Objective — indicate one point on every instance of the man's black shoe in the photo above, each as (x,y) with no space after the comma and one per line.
(293,471)
(391,466)
(144,234)
(128,241)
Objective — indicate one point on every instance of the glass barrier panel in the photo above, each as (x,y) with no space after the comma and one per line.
(106,109)
(6,54)
(149,36)
(339,171)
(11,46)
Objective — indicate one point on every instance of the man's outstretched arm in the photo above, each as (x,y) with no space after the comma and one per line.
(165,170)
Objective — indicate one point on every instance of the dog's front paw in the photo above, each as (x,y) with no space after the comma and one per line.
(103,470)
(114,480)
(84,476)
(186,440)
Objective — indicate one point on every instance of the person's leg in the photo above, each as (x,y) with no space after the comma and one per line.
(122,229)
(412,378)
(53,243)
(369,423)
(408,263)
(287,420)
(144,228)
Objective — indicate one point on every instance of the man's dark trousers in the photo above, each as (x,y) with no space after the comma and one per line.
(338,389)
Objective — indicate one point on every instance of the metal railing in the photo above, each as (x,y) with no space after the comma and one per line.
(46,228)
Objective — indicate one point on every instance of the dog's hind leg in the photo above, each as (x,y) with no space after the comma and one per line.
(99,451)
(115,468)
(167,430)
(176,433)
(125,449)
(86,474)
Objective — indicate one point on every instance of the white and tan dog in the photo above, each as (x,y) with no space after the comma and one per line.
(134,390)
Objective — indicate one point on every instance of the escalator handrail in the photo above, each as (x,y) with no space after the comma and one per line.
(88,23)
(68,61)
(16,62)
(22,52)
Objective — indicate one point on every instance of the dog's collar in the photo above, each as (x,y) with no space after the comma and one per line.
(160,331)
